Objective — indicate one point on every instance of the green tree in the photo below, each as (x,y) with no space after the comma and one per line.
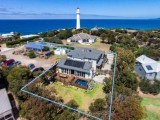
(31,54)
(98,105)
(64,34)
(67,115)
(17,77)
(103,36)
(128,108)
(73,104)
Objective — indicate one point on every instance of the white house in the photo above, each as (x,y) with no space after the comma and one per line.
(7,35)
(5,106)
(82,38)
(60,51)
(28,36)
(147,68)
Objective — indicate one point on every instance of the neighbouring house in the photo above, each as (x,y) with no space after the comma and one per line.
(82,62)
(7,35)
(147,68)
(5,106)
(82,38)
(28,36)
(37,46)
(96,28)
(60,51)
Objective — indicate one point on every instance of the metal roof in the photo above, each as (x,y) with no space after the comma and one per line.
(149,63)
(86,53)
(4,101)
(86,65)
(144,59)
(35,45)
(82,36)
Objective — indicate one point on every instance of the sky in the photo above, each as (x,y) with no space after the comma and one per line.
(90,9)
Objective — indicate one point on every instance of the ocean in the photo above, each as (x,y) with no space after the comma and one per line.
(36,26)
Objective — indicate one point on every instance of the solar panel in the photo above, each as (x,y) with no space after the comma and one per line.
(72,63)
(149,67)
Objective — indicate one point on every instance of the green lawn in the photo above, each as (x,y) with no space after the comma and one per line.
(152,106)
(81,96)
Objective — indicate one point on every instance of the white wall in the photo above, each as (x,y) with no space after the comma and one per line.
(91,40)
(60,52)
(150,76)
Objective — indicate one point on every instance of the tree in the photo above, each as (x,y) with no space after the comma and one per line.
(31,54)
(17,77)
(97,105)
(53,40)
(3,82)
(147,87)
(64,34)
(125,59)
(42,109)
(103,36)
(67,115)
(127,109)
(3,76)
(73,104)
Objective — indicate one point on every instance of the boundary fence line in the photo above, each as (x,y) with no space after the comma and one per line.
(63,105)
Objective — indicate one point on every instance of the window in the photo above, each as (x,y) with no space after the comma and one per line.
(149,67)
(140,69)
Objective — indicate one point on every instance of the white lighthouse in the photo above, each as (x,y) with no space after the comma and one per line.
(78,18)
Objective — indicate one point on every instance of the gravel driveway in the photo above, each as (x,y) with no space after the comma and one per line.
(39,62)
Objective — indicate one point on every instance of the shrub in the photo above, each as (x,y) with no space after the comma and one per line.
(46,48)
(32,54)
(53,40)
(147,87)
(18,41)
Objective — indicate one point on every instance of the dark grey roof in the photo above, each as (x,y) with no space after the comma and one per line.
(82,36)
(4,101)
(85,53)
(83,66)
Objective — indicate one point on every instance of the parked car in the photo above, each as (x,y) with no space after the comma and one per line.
(10,61)
(31,66)
(17,62)
(38,69)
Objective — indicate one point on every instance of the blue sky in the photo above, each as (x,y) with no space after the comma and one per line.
(90,9)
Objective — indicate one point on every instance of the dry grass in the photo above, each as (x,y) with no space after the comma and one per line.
(97,45)
(83,97)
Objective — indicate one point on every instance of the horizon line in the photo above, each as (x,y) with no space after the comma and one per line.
(81,18)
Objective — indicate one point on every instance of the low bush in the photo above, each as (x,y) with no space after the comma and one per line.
(148,87)
(32,54)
